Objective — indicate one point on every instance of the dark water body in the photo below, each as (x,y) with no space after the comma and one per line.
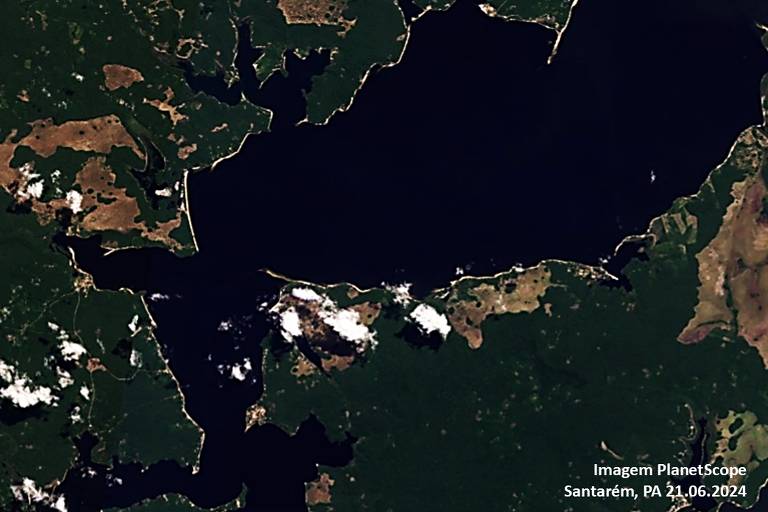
(472,152)
(283,94)
(410,10)
(271,464)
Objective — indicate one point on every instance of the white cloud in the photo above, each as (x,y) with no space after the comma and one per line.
(401,292)
(23,394)
(75,201)
(306,294)
(72,351)
(60,504)
(429,320)
(6,371)
(20,390)
(35,189)
(30,189)
(134,324)
(346,322)
(29,492)
(65,378)
(241,370)
(290,324)
(135,359)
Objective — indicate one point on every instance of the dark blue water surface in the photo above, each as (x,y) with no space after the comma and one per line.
(473,152)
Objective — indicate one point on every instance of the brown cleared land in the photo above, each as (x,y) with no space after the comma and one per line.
(166,107)
(712,310)
(315,12)
(319,491)
(110,208)
(303,367)
(185,151)
(513,294)
(733,265)
(339,363)
(105,206)
(94,364)
(98,135)
(8,175)
(749,286)
(255,415)
(46,211)
(117,76)
(742,442)
(162,232)
(368,311)
(335,352)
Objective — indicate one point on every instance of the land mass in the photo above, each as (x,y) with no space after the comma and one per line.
(560,365)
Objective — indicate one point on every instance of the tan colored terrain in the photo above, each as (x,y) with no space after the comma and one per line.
(105,206)
(98,135)
(255,415)
(335,352)
(733,265)
(110,208)
(117,76)
(166,107)
(319,491)
(7,175)
(742,442)
(303,367)
(185,151)
(315,12)
(368,311)
(339,363)
(513,294)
